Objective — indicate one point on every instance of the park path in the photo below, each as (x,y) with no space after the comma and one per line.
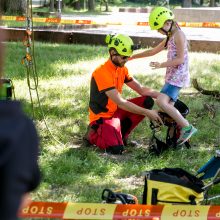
(127,26)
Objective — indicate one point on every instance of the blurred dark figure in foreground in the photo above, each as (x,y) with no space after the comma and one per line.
(19,170)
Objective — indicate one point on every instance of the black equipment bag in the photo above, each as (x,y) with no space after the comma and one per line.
(157,145)
(172,186)
(6,88)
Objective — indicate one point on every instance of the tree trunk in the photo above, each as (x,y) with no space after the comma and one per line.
(83,4)
(105,2)
(212,3)
(91,5)
(17,7)
(77,5)
(1,7)
(106,5)
(187,3)
(51,5)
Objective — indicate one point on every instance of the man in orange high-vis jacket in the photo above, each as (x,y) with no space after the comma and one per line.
(112,117)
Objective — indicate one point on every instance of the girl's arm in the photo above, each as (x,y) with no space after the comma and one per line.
(151,52)
(179,39)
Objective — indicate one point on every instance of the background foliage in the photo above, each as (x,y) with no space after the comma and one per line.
(19,6)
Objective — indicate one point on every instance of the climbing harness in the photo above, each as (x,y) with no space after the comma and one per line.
(108,196)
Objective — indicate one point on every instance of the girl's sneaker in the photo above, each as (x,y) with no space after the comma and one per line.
(186,134)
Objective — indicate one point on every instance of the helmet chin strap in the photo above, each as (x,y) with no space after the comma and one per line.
(168,33)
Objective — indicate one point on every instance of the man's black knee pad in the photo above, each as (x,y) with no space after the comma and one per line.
(125,126)
(148,102)
(115,149)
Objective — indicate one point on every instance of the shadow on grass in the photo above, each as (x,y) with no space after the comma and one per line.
(48,57)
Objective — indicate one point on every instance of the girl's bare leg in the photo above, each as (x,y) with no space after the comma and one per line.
(163,101)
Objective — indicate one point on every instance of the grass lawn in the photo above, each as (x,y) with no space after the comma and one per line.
(70,170)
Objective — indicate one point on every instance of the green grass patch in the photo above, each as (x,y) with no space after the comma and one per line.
(70,170)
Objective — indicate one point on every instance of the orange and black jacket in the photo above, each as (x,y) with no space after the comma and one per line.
(104,78)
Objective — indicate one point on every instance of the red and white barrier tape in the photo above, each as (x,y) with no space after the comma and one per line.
(101,211)
(81,21)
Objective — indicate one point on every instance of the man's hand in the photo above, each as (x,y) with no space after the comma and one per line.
(154,116)
(25,201)
(126,105)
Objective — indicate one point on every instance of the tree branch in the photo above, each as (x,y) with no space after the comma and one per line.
(214,93)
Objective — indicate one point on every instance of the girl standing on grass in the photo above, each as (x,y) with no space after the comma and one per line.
(177,66)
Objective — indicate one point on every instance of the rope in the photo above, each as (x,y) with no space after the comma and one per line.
(29,61)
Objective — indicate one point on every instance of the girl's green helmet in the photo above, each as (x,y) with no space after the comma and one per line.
(122,43)
(159,16)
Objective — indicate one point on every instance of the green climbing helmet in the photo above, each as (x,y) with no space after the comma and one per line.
(159,16)
(122,43)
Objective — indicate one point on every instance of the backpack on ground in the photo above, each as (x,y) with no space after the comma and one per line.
(172,186)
